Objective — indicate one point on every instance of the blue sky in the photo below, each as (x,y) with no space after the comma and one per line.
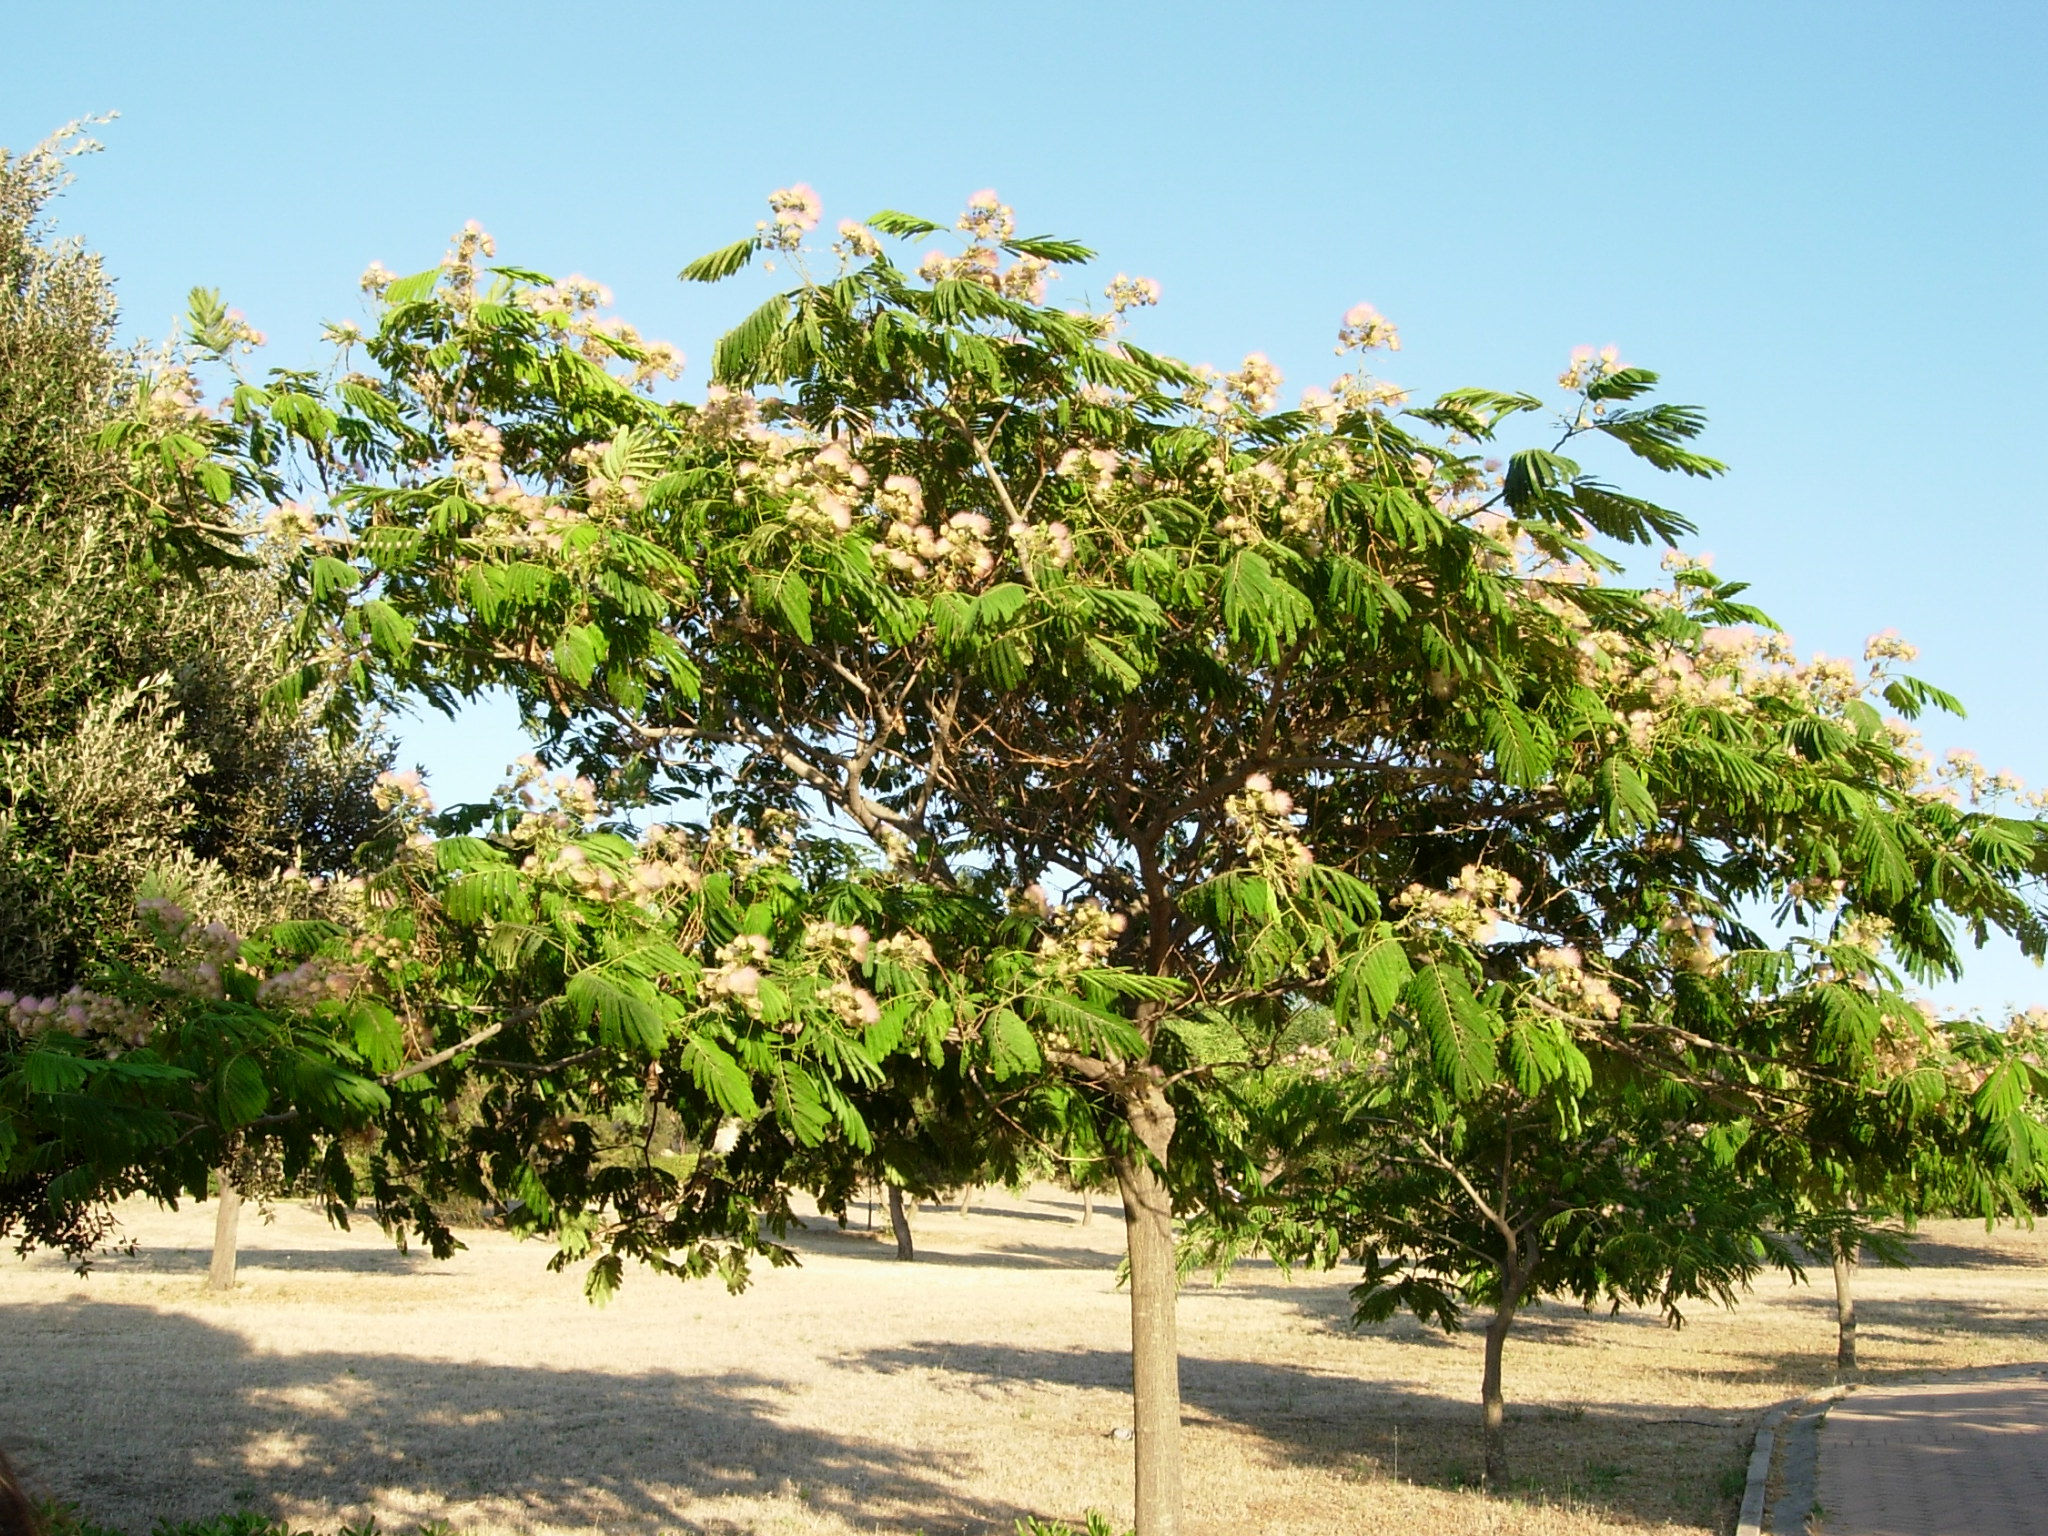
(1823,222)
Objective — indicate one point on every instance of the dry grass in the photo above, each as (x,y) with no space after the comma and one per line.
(858,1394)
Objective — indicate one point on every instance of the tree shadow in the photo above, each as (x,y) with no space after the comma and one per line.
(325,1436)
(1653,1463)
(357,1260)
(880,1248)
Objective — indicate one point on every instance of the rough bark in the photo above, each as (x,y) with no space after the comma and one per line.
(227,1213)
(899,1223)
(1844,1257)
(1155,1351)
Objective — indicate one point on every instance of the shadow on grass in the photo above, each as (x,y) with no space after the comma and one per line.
(881,1248)
(1653,1463)
(229,1426)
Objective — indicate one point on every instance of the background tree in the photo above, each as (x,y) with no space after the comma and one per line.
(1531,1187)
(137,758)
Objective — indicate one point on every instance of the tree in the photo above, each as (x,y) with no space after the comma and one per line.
(1961,1134)
(137,760)
(1040,618)
(1528,1188)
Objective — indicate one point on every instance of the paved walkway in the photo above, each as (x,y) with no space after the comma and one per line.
(1957,1458)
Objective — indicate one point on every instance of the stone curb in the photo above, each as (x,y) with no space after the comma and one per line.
(1751,1521)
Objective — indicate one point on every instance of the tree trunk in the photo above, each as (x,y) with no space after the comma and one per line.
(220,1276)
(1087,1206)
(1844,1256)
(1492,1400)
(966,1200)
(1155,1352)
(899,1223)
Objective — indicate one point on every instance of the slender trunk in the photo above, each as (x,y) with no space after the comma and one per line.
(899,1223)
(1155,1352)
(226,1217)
(1844,1256)
(1492,1400)
(966,1200)
(1087,1206)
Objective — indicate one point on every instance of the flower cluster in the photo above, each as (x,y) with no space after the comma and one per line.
(1260,816)
(307,983)
(290,523)
(1564,973)
(912,951)
(1690,939)
(956,553)
(1093,467)
(1365,329)
(837,943)
(1588,368)
(731,416)
(1255,385)
(1043,543)
(1025,278)
(1125,292)
(567,801)
(737,973)
(856,241)
(1471,909)
(796,210)
(202,951)
(404,793)
(78,1013)
(855,1006)
(1077,937)
(988,217)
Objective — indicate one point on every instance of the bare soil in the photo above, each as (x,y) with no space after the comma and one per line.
(855,1393)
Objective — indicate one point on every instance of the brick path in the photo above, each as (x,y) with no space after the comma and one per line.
(1958,1458)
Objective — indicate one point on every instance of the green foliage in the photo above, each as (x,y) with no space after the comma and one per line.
(136,755)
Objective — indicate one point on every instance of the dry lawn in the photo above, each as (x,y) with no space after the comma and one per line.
(858,1394)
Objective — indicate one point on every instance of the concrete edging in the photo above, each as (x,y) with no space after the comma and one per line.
(1750,1522)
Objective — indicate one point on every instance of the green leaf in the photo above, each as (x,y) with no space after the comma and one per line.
(1461,1034)
(241,1091)
(48,1071)
(329,575)
(904,226)
(578,652)
(413,289)
(717,1074)
(1626,802)
(1534,486)
(1909,696)
(390,631)
(1064,253)
(1371,981)
(1522,748)
(720,264)
(1012,1051)
(623,1015)
(742,352)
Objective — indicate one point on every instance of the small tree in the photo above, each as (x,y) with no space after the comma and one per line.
(1526,1189)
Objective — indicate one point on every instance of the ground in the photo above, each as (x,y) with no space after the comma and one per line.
(855,1393)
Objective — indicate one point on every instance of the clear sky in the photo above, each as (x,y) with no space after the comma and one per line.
(1822,221)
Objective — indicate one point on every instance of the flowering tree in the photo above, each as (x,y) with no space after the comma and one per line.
(1647,1087)
(1109,694)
